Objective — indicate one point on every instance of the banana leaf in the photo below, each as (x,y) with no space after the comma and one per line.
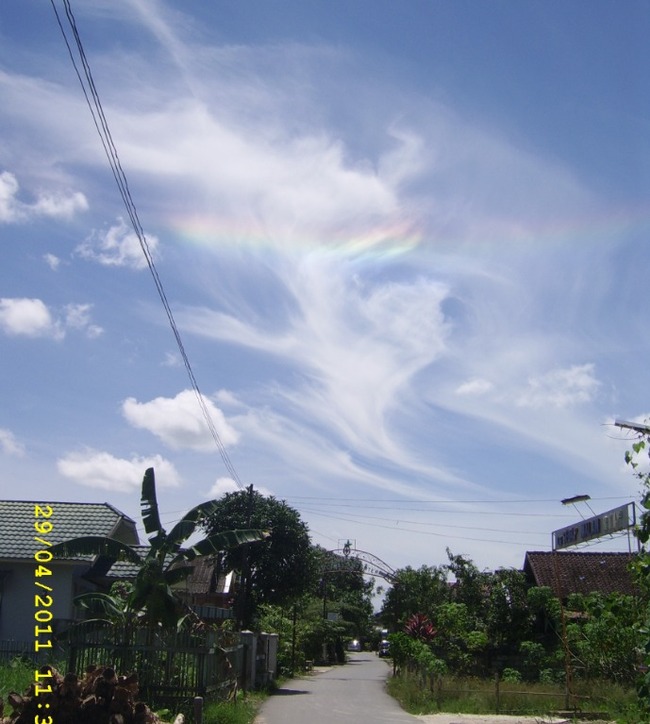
(95,545)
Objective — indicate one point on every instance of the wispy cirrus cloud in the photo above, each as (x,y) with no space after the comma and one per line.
(9,444)
(561,388)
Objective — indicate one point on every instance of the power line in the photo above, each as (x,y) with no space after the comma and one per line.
(422,532)
(450,501)
(401,521)
(101,124)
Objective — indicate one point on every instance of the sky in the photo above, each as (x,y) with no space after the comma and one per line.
(403,246)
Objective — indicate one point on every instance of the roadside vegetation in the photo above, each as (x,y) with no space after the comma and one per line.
(471,695)
(243,711)
(491,643)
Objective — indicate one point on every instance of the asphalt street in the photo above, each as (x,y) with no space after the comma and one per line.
(354,693)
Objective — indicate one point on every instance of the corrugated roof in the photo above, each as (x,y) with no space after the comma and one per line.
(581,572)
(69,520)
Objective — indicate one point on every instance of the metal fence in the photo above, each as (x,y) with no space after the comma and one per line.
(172,668)
(24,650)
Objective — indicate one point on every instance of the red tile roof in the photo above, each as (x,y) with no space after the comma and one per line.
(579,572)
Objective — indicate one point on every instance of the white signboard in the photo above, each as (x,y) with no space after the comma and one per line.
(612,521)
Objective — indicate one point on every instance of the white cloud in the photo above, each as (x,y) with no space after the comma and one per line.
(179,422)
(357,350)
(52,261)
(63,207)
(561,388)
(9,444)
(119,246)
(12,210)
(221,487)
(32,318)
(172,359)
(29,318)
(474,387)
(77,316)
(9,206)
(98,469)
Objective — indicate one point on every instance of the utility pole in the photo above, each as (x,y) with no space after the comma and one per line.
(245,567)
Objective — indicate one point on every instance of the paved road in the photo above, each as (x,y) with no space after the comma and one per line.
(350,694)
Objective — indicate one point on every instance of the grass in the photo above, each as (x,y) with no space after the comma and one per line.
(225,712)
(243,711)
(478,696)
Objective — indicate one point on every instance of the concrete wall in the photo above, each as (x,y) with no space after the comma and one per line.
(18,609)
(260,658)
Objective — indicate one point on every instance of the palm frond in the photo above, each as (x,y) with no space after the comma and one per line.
(95,545)
(149,506)
(187,525)
(100,602)
(220,542)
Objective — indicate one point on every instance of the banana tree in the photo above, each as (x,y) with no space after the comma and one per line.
(165,562)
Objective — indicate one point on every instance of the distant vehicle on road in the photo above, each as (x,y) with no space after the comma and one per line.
(354,645)
(384,648)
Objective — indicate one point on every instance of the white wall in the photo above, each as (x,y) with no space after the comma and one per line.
(17,610)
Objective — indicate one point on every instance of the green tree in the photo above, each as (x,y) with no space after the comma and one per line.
(281,570)
(507,613)
(470,587)
(414,591)
(165,562)
(603,637)
(344,590)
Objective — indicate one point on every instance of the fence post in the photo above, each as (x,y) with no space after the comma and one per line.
(249,640)
(198,710)
(496,692)
(567,695)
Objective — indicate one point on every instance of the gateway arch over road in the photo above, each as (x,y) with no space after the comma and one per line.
(370,564)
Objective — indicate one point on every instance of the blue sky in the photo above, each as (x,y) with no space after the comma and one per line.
(405,246)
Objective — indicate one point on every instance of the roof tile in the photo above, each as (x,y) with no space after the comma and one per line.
(580,572)
(69,520)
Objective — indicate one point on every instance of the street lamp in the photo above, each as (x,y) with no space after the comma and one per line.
(578,499)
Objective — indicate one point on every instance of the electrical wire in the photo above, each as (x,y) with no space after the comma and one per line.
(101,124)
(445,535)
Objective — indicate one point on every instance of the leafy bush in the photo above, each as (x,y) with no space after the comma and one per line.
(419,627)
(15,675)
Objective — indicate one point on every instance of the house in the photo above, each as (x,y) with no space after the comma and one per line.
(24,555)
(207,592)
(580,572)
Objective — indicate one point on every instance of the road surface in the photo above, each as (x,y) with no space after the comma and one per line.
(355,694)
